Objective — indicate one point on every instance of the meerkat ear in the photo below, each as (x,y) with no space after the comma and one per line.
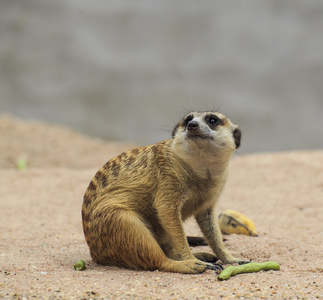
(237,137)
(175,130)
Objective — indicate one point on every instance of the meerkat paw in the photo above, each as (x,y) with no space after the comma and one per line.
(205,256)
(193,266)
(190,266)
(233,260)
(211,260)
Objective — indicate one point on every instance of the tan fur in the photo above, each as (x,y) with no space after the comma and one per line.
(134,207)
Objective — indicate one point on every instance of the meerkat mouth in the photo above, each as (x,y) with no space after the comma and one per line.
(198,136)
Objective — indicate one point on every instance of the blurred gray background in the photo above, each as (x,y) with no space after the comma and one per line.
(129,70)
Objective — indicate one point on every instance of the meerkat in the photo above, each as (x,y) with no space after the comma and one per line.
(134,207)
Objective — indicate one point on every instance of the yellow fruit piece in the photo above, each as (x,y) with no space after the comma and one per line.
(234,222)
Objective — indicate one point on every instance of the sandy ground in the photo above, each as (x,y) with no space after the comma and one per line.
(41,234)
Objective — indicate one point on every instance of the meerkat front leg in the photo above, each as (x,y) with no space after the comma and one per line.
(210,229)
(174,241)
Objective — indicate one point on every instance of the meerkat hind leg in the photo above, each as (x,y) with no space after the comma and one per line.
(136,248)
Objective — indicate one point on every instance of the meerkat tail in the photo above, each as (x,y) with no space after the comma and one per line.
(196,241)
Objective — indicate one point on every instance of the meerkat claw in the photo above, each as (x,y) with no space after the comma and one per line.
(214,267)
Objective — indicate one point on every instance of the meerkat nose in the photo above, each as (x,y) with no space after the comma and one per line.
(192,125)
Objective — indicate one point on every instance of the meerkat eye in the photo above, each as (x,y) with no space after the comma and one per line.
(213,121)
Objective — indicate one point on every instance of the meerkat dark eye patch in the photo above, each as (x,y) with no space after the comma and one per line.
(187,120)
(213,121)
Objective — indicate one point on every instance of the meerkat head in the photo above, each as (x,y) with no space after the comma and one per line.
(207,130)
